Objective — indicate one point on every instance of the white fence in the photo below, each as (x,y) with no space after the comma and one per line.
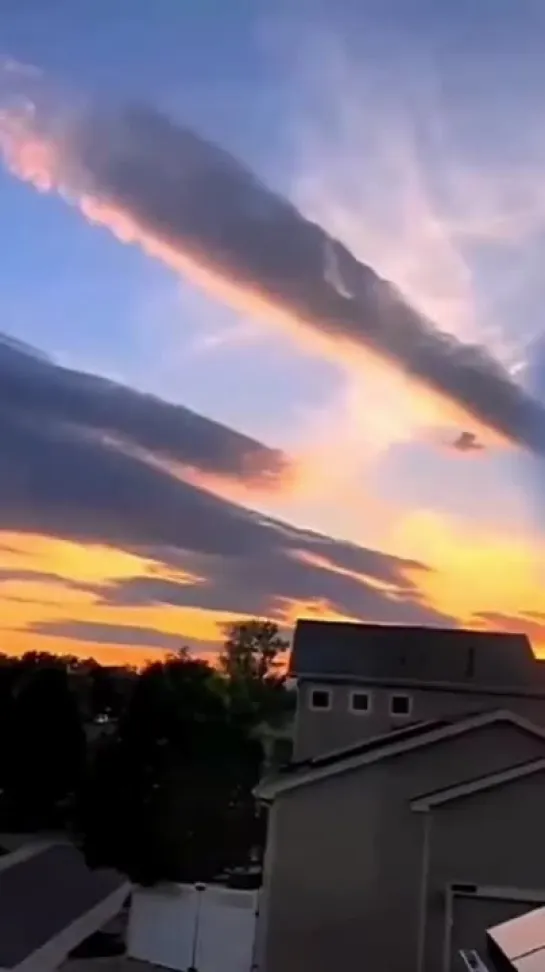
(181,927)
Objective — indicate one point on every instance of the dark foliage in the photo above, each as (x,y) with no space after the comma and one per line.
(170,797)
(44,761)
(153,771)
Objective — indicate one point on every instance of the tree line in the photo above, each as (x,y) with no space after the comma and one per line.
(151,771)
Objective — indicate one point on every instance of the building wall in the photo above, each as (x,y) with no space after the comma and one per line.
(343,878)
(319,886)
(492,838)
(317,731)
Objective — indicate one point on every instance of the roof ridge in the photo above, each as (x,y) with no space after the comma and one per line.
(420,653)
(432,629)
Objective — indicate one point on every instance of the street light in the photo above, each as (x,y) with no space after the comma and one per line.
(199,888)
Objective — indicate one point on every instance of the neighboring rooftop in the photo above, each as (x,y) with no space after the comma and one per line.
(50,901)
(410,730)
(394,741)
(394,653)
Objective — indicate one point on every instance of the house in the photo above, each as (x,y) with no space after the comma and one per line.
(398,837)
(359,680)
(405,848)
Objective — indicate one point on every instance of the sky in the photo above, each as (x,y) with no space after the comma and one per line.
(271,319)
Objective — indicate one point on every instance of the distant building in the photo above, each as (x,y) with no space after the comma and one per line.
(411,818)
(358,680)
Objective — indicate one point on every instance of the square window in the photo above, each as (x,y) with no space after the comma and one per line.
(320,699)
(400,705)
(360,702)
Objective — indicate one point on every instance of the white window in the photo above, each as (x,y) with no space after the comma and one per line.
(320,699)
(400,705)
(360,702)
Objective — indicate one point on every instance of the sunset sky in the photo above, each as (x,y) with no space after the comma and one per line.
(272,332)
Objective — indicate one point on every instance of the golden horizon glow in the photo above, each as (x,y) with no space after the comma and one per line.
(465,580)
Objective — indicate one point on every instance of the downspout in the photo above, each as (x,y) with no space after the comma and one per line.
(423,898)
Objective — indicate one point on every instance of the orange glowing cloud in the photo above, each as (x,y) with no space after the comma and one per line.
(48,581)
(29,608)
(84,563)
(289,611)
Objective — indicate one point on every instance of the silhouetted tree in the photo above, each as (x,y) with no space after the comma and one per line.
(107,691)
(8,676)
(251,661)
(252,649)
(169,797)
(45,746)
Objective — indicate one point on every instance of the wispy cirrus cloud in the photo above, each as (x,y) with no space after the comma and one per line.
(386,164)
(189,203)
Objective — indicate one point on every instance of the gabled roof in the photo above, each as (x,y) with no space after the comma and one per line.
(407,739)
(407,654)
(50,902)
(437,798)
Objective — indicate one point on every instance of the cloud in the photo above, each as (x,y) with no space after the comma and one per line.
(60,478)
(467,442)
(269,584)
(12,578)
(111,634)
(191,204)
(35,390)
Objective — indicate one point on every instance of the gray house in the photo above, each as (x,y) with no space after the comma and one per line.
(359,680)
(403,840)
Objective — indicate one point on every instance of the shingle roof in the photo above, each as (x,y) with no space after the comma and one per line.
(408,731)
(401,653)
(411,736)
(43,894)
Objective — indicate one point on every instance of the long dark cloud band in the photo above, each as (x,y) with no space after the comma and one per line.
(198,200)
(37,390)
